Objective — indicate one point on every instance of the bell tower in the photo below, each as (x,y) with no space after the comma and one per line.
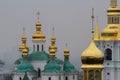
(109,43)
(92,59)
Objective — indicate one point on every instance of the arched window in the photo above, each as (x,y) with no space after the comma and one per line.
(73,77)
(49,78)
(91,75)
(37,47)
(20,78)
(39,72)
(66,78)
(108,54)
(59,77)
(42,47)
(97,75)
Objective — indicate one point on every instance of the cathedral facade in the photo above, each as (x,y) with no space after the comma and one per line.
(40,65)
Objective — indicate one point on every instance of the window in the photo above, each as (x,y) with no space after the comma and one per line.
(91,75)
(59,77)
(73,77)
(66,78)
(49,78)
(108,73)
(39,72)
(37,47)
(97,75)
(33,47)
(20,78)
(108,54)
(107,63)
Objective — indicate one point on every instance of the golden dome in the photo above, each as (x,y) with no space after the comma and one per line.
(52,53)
(38,35)
(66,51)
(25,53)
(23,45)
(53,39)
(92,55)
(52,50)
(24,37)
(53,47)
(38,23)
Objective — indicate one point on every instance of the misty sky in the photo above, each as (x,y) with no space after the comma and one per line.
(70,18)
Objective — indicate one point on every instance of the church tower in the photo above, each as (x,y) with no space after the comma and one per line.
(109,43)
(38,38)
(92,60)
(39,56)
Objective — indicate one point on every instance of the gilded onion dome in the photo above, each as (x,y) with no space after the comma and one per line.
(38,35)
(25,53)
(66,53)
(23,45)
(52,53)
(53,45)
(52,65)
(68,67)
(92,55)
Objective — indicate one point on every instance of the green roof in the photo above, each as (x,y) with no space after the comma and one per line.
(17,61)
(25,77)
(52,66)
(38,55)
(58,61)
(68,67)
(25,66)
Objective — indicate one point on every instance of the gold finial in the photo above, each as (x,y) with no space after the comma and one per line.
(53,40)
(92,17)
(66,50)
(24,38)
(66,53)
(113,3)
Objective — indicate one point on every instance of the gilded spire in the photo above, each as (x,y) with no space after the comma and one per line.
(53,40)
(23,45)
(92,17)
(38,35)
(113,3)
(66,53)
(97,33)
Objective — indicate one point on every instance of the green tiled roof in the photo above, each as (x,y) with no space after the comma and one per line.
(17,61)
(52,66)
(68,67)
(25,66)
(58,61)
(39,55)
